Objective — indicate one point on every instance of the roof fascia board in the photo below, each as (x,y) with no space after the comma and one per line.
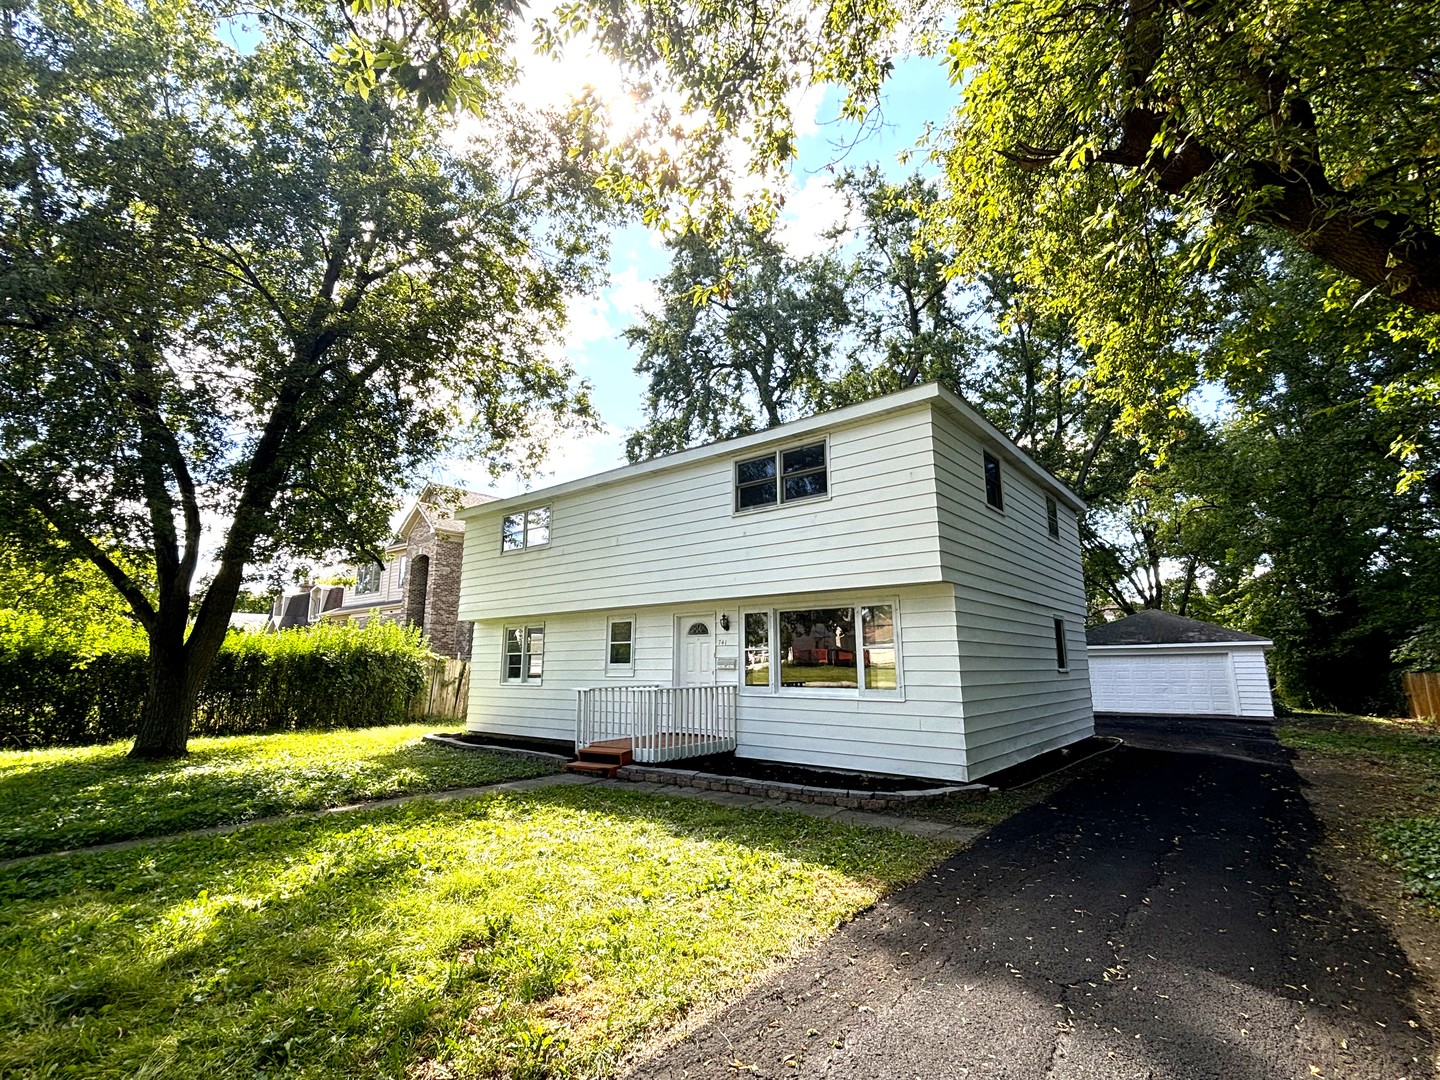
(1260,643)
(846,417)
(978,425)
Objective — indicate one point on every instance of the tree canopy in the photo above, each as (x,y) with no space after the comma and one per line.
(235,293)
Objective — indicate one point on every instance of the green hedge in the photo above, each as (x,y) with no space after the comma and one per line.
(320,677)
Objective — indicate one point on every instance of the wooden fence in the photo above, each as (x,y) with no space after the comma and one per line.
(1423,690)
(449,691)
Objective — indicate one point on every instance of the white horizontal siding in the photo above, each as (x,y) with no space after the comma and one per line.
(671,536)
(1252,682)
(1011,580)
(920,735)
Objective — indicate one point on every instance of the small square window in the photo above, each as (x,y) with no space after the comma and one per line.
(1052,516)
(1062,657)
(993,494)
(525,529)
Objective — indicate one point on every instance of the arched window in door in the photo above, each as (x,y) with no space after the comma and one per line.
(698,629)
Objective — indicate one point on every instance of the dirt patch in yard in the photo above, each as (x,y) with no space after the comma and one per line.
(1351,794)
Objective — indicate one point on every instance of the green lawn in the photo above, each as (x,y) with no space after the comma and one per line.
(54,799)
(1407,750)
(542,934)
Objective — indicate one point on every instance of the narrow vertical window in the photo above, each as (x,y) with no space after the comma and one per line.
(524,656)
(877,623)
(993,494)
(1052,516)
(514,655)
(537,526)
(757,648)
(620,647)
(1062,659)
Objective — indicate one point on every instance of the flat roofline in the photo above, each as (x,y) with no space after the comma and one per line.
(901,400)
(1248,643)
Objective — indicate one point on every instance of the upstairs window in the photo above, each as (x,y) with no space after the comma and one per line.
(993,494)
(367,578)
(1052,516)
(785,476)
(525,529)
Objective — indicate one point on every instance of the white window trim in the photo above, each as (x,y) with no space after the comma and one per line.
(378,587)
(620,671)
(525,678)
(1050,501)
(1058,623)
(780,502)
(524,516)
(772,615)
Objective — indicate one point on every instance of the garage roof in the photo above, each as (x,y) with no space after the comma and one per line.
(1162,628)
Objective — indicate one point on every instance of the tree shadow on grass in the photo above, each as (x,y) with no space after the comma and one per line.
(67,803)
(382,927)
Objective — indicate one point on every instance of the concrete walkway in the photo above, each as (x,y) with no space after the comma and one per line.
(913,826)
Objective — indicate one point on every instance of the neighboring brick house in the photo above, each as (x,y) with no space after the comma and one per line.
(418,584)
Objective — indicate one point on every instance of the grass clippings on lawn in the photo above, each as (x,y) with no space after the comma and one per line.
(542,934)
(65,798)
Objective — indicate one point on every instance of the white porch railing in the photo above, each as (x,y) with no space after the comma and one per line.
(663,723)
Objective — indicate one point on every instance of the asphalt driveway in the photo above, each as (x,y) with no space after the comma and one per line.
(1162,918)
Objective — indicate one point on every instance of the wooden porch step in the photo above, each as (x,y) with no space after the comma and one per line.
(615,752)
(593,768)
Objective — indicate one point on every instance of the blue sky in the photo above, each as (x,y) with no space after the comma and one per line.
(918,92)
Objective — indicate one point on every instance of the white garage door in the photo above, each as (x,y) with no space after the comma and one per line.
(1163,684)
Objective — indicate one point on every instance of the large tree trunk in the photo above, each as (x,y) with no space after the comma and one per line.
(178,668)
(170,698)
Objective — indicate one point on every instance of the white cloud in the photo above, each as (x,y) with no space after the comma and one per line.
(811,210)
(569,456)
(632,296)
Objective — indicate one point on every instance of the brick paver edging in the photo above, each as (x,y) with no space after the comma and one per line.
(849,798)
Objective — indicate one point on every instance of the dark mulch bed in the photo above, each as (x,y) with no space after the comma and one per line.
(1027,772)
(755,769)
(509,742)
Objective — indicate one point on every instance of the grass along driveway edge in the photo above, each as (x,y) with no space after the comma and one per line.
(540,934)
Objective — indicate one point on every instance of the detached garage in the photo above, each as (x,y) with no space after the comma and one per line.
(1158,663)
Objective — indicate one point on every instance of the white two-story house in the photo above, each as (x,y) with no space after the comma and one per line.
(893,587)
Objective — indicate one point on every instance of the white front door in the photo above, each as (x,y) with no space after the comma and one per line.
(696,651)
